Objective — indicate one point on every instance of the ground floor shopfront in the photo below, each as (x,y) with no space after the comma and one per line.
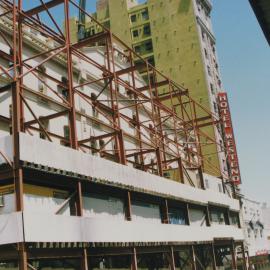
(218,255)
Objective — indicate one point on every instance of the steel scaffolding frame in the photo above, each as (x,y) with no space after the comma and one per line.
(180,115)
(148,97)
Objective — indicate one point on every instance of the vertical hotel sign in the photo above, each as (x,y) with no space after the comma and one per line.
(229,139)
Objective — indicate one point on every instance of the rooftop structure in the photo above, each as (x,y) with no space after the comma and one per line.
(96,171)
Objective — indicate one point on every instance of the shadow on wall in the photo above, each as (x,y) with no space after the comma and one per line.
(184,6)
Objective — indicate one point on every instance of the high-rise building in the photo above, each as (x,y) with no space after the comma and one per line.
(176,37)
(86,150)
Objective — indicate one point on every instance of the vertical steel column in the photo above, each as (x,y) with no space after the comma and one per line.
(214,256)
(72,119)
(196,125)
(223,185)
(159,125)
(128,206)
(137,111)
(200,171)
(181,172)
(18,182)
(121,145)
(134,260)
(194,267)
(172,264)
(79,212)
(159,162)
(72,110)
(119,140)
(207,215)
(153,116)
(234,262)
(22,256)
(16,122)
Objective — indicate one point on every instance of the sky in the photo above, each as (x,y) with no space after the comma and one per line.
(244,59)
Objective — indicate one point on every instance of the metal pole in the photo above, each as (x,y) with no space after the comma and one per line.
(214,257)
(72,111)
(134,260)
(193,258)
(172,259)
(234,263)
(16,124)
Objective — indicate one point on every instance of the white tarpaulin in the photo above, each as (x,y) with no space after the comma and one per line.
(11,228)
(53,228)
(39,151)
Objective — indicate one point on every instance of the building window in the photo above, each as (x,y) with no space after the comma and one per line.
(137,49)
(234,219)
(135,33)
(66,132)
(209,70)
(206,53)
(145,15)
(149,46)
(62,89)
(177,216)
(133,18)
(202,34)
(215,107)
(256,233)
(147,30)
(217,216)
(248,232)
(42,87)
(212,88)
(151,61)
